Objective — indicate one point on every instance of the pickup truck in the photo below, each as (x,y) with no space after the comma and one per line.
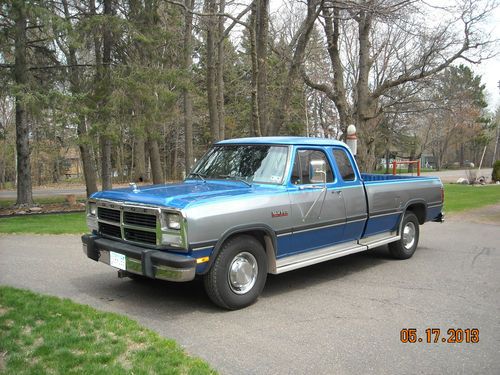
(254,206)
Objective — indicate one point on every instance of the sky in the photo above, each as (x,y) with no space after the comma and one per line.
(490,69)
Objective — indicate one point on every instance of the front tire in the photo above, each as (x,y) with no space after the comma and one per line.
(238,274)
(410,232)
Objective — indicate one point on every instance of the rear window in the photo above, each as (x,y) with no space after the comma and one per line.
(344,164)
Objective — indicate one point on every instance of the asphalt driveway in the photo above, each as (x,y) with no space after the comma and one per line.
(339,317)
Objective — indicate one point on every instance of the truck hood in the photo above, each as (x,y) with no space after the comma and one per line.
(178,195)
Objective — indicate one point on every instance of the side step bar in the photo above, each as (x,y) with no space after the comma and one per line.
(294,262)
(308,258)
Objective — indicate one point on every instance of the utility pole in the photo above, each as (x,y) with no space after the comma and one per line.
(497,136)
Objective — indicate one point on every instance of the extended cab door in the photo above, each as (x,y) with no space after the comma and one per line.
(318,212)
(353,192)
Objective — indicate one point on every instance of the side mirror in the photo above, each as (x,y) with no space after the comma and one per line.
(317,171)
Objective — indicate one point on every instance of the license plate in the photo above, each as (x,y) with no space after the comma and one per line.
(117,260)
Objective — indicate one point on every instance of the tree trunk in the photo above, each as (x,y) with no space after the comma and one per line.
(24,184)
(220,71)
(256,124)
(188,104)
(155,158)
(89,171)
(211,70)
(106,67)
(261,39)
(139,160)
(332,30)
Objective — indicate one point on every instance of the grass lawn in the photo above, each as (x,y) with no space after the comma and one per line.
(41,334)
(463,197)
(45,224)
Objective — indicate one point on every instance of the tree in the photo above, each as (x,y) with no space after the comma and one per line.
(67,44)
(386,53)
(459,118)
(187,101)
(211,38)
(24,186)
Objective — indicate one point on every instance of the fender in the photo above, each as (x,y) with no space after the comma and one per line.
(408,204)
(236,230)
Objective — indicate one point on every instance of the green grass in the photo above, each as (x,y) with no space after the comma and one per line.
(45,224)
(41,335)
(464,197)
(5,203)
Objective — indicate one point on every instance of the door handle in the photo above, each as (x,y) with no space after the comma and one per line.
(311,187)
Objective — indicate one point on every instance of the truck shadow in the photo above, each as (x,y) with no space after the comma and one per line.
(325,271)
(147,296)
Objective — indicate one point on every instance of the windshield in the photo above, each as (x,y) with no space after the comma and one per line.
(248,163)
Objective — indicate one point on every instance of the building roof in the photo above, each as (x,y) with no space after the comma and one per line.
(283,141)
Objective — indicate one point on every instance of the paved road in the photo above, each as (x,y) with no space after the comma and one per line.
(45,193)
(339,317)
(454,175)
(446,176)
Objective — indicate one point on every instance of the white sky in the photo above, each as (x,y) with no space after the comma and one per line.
(488,69)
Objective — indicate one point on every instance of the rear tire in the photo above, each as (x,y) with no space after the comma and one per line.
(238,274)
(406,246)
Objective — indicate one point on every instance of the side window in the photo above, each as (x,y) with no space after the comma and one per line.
(300,171)
(344,165)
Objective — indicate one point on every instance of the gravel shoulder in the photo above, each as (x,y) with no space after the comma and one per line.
(483,215)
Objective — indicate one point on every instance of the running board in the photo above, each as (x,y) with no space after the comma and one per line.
(379,240)
(308,258)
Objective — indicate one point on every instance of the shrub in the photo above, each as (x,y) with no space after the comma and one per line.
(495,175)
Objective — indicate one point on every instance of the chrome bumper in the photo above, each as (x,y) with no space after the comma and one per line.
(141,261)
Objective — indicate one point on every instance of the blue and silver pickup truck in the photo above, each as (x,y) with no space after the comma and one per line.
(254,206)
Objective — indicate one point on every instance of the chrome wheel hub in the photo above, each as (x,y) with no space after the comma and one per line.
(242,273)
(409,235)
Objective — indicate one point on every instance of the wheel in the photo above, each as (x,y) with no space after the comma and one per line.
(405,247)
(238,274)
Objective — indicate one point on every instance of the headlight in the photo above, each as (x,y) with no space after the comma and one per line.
(173,221)
(92,208)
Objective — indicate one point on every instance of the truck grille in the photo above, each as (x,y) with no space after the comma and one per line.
(143,220)
(110,230)
(140,236)
(108,214)
(137,227)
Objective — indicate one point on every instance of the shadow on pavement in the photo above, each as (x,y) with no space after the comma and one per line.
(147,296)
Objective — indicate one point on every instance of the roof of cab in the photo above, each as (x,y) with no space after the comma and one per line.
(284,141)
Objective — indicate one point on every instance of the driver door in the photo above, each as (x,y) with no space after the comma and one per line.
(317,204)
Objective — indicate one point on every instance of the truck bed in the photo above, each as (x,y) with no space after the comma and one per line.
(389,196)
(388,177)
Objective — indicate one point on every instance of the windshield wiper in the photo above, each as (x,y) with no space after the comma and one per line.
(241,179)
(199,175)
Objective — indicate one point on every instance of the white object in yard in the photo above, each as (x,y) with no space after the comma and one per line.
(462,180)
(352,139)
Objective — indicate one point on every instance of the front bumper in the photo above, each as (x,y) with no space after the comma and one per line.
(141,261)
